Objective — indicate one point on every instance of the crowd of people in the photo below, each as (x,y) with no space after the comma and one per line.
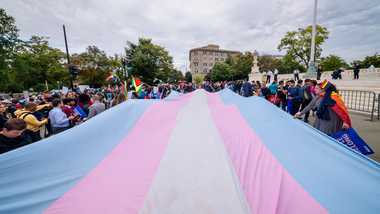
(26,120)
(299,98)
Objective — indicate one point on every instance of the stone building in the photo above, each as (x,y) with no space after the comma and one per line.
(203,59)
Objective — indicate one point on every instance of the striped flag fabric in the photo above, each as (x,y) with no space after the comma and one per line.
(194,153)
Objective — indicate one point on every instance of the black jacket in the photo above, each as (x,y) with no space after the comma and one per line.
(9,144)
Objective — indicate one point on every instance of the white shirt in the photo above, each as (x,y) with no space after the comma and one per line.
(58,118)
(275,71)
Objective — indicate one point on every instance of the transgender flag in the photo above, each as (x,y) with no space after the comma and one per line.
(193,153)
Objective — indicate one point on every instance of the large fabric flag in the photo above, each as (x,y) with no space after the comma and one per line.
(193,153)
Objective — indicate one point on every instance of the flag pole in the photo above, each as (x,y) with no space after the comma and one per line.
(312,69)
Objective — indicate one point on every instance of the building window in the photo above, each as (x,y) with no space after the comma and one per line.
(204,52)
(196,71)
(204,64)
(205,70)
(195,63)
(211,64)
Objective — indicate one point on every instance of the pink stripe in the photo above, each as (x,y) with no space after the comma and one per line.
(121,181)
(268,187)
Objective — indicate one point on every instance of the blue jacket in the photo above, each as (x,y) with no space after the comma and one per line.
(296,93)
(273,88)
(247,89)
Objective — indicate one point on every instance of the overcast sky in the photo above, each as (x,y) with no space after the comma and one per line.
(242,25)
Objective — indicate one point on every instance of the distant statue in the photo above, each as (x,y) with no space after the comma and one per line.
(372,69)
(255,69)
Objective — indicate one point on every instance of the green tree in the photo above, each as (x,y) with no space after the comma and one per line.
(188,76)
(240,65)
(298,43)
(35,63)
(332,62)
(94,66)
(198,79)
(149,62)
(27,64)
(267,63)
(221,72)
(116,66)
(174,76)
(368,61)
(8,44)
(289,64)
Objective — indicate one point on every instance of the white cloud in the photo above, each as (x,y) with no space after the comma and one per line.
(181,25)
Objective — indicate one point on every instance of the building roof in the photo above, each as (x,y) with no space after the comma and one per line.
(215,48)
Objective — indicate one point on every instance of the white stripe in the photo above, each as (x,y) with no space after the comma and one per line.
(195,175)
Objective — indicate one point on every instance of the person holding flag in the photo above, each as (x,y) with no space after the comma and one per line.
(137,84)
(332,114)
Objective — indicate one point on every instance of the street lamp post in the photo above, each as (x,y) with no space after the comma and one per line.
(312,71)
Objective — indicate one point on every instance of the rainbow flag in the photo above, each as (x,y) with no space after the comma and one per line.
(340,108)
(231,155)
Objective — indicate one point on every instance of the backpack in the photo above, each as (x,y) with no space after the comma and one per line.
(24,114)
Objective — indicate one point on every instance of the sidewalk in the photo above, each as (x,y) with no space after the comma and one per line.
(369,131)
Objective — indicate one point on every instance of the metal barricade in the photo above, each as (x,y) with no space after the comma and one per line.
(362,101)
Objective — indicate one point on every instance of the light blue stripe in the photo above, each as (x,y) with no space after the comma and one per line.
(341,180)
(32,177)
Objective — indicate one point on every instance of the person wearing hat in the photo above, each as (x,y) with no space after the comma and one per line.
(331,112)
